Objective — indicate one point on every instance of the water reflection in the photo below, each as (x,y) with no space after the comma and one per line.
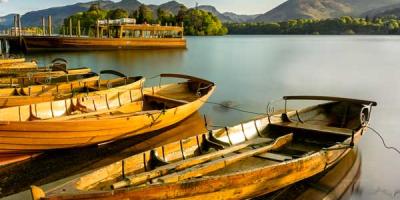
(339,182)
(132,62)
(56,165)
(250,71)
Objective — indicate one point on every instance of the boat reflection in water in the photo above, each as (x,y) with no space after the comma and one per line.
(337,183)
(60,164)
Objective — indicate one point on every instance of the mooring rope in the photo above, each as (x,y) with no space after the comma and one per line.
(233,108)
(383,140)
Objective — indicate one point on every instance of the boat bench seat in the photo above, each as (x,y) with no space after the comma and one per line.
(176,102)
(313,127)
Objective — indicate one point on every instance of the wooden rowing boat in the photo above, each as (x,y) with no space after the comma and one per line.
(114,115)
(11,60)
(32,77)
(37,87)
(39,92)
(89,87)
(57,68)
(240,162)
(18,66)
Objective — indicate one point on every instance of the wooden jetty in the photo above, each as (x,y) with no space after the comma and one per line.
(106,35)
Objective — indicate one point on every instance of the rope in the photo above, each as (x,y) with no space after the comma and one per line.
(383,140)
(232,108)
(153,77)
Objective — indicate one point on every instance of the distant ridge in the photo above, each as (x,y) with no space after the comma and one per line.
(33,18)
(383,11)
(321,9)
(58,13)
(291,9)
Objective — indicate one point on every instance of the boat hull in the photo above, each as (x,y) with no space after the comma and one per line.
(60,92)
(55,43)
(243,185)
(37,136)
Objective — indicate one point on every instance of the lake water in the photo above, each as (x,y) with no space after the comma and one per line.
(250,71)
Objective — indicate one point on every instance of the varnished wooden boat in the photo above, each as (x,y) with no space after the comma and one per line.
(33,77)
(57,88)
(36,87)
(20,74)
(5,61)
(90,87)
(11,60)
(17,65)
(83,121)
(240,162)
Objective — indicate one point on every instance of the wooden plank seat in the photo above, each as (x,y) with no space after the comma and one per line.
(314,127)
(169,101)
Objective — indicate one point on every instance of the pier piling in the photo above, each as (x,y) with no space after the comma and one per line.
(50,25)
(78,30)
(70,27)
(43,26)
(19,25)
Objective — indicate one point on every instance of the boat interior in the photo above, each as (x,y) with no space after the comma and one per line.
(256,144)
(47,80)
(111,103)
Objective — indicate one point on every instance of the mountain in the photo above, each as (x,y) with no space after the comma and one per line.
(321,9)
(7,21)
(383,11)
(227,16)
(215,12)
(58,14)
(239,18)
(171,6)
(129,5)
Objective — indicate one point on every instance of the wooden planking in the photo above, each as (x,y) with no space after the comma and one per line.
(240,184)
(183,164)
(250,130)
(202,169)
(312,127)
(221,135)
(236,134)
(275,157)
(103,128)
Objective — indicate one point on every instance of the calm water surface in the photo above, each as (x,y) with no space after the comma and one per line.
(250,71)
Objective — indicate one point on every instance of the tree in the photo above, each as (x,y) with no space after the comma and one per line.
(196,22)
(144,14)
(199,22)
(165,16)
(181,14)
(94,7)
(117,14)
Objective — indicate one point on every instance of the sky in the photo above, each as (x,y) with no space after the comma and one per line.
(236,6)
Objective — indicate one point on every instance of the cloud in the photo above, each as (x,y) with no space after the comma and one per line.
(3,1)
